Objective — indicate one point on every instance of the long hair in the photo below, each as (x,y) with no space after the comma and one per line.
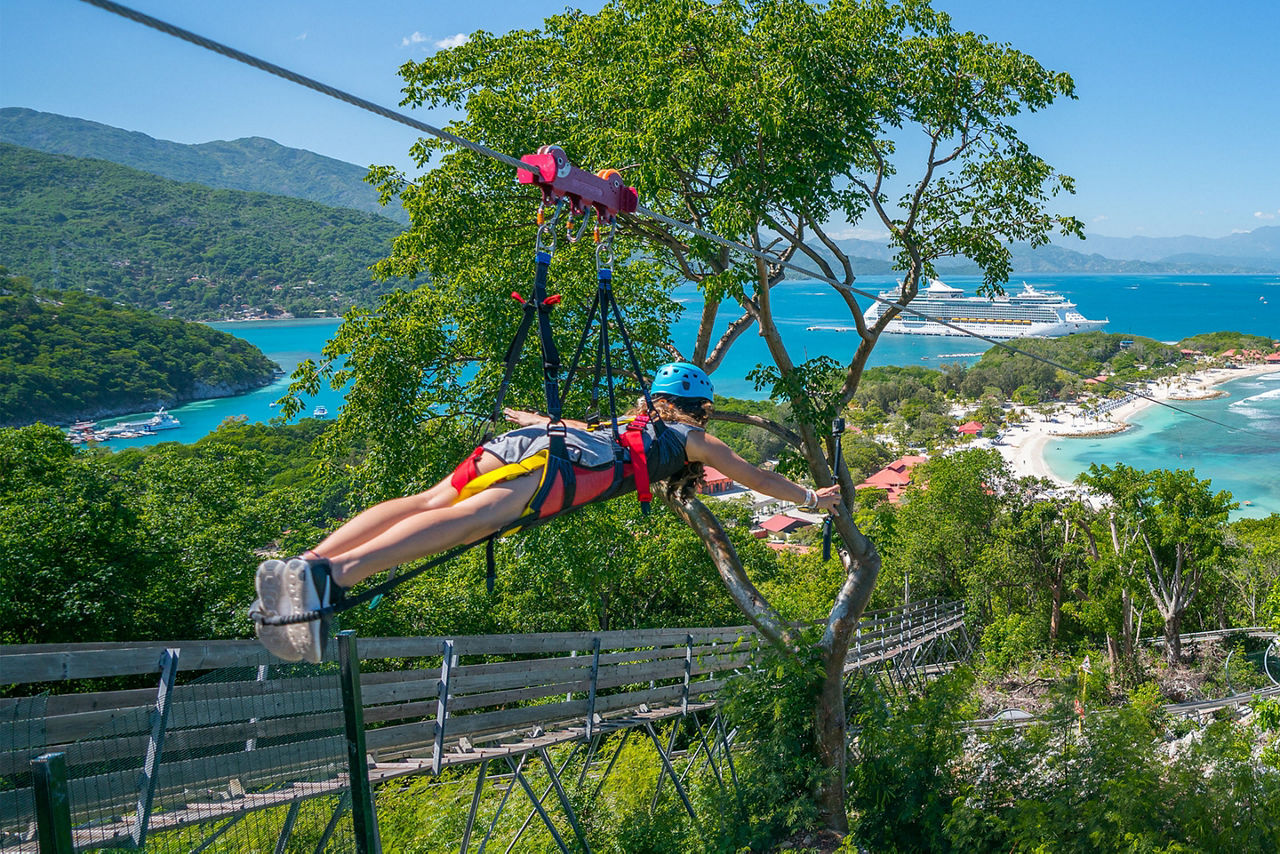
(682,485)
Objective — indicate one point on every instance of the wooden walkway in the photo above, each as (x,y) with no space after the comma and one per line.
(230,730)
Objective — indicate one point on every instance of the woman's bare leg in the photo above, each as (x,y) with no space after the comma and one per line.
(379,518)
(433,530)
(368,524)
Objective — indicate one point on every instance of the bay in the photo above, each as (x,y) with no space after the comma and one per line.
(287,343)
(1165,307)
(1242,457)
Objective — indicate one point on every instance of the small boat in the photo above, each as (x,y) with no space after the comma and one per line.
(319,412)
(161,421)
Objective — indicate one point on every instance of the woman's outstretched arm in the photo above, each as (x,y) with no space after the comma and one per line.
(705,448)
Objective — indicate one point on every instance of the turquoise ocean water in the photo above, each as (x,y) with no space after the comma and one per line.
(1163,307)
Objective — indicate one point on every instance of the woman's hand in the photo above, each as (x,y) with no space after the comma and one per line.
(828,496)
(523,418)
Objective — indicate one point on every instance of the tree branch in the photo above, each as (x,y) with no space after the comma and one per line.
(757,609)
(785,434)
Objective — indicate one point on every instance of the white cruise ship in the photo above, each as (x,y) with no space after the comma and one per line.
(1030,312)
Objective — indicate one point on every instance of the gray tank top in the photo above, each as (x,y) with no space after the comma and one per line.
(665,455)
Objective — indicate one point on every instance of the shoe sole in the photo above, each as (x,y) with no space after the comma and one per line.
(306,638)
(270,584)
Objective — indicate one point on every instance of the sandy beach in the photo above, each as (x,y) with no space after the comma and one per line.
(1022,445)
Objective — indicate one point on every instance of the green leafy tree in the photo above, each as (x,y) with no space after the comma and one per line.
(946,524)
(1179,529)
(1255,574)
(1045,537)
(762,122)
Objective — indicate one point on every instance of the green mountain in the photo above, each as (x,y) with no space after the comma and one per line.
(194,251)
(67,355)
(253,164)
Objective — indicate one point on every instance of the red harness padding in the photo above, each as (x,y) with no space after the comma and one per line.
(633,440)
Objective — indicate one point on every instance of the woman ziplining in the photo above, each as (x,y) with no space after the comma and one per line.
(494,488)
(545,467)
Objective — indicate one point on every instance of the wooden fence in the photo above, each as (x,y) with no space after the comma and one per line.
(231,730)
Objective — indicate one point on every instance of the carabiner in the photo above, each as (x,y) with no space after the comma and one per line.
(547,227)
(582,229)
(604,250)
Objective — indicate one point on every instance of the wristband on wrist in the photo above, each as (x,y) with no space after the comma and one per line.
(810,500)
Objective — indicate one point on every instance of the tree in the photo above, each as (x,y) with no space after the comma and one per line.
(1256,571)
(763,122)
(946,524)
(1178,527)
(1046,535)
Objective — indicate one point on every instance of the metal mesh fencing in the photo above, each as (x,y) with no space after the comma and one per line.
(22,738)
(242,759)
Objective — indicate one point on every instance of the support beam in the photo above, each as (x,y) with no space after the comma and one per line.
(344,800)
(546,819)
(612,759)
(564,798)
(666,764)
(290,818)
(475,805)
(363,816)
(493,824)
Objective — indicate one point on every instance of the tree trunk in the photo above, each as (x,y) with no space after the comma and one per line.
(1126,622)
(1055,615)
(831,735)
(1172,643)
(862,568)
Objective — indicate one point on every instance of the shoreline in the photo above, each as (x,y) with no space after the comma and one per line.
(1022,445)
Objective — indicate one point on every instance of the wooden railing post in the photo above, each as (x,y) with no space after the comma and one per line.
(363,816)
(442,706)
(155,746)
(688,669)
(591,689)
(53,805)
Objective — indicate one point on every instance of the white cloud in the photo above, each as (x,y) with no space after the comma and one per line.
(453,41)
(1264,215)
(415,38)
(301,38)
(1101,218)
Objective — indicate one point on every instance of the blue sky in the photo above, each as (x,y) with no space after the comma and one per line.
(1176,129)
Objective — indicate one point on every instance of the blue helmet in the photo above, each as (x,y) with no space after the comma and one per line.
(681,379)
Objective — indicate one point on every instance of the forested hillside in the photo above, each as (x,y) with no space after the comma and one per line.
(195,252)
(253,164)
(67,355)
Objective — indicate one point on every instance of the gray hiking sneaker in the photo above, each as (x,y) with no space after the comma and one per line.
(270,585)
(291,588)
(310,587)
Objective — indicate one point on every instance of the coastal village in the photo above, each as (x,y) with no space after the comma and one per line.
(1020,438)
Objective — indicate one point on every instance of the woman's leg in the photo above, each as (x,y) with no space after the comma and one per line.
(432,530)
(378,518)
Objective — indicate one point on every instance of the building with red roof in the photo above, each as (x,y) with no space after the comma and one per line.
(894,477)
(971,428)
(783,524)
(716,481)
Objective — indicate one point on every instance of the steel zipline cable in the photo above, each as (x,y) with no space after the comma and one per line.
(462,142)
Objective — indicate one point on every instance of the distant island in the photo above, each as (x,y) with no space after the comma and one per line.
(183,249)
(65,356)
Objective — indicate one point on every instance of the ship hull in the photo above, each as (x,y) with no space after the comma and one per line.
(998,331)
